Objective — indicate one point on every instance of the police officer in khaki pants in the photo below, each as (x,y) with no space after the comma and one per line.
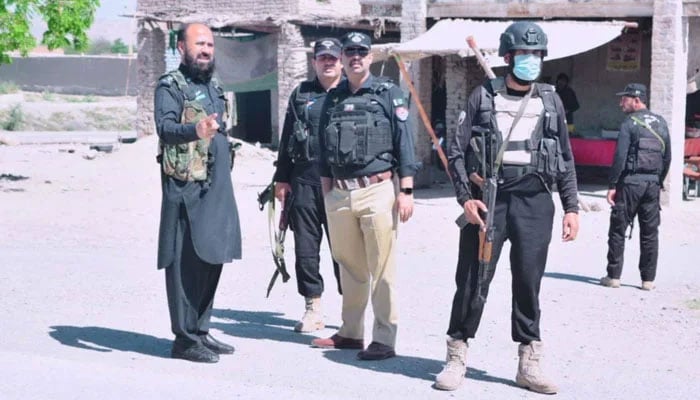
(367,141)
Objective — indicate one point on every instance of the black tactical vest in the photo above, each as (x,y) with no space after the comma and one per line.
(303,139)
(647,146)
(360,129)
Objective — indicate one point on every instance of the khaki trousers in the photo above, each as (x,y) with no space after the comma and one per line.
(362,225)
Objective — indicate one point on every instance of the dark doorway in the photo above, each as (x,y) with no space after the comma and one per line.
(254,117)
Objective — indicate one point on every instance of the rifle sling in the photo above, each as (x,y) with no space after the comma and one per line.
(521,111)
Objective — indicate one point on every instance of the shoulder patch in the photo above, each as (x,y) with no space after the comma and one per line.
(462,117)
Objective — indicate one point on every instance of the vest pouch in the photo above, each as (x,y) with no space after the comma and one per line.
(649,156)
(340,143)
(298,146)
(551,122)
(549,159)
(187,161)
(348,143)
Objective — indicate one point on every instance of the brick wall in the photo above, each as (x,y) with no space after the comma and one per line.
(462,76)
(337,8)
(151,65)
(274,8)
(292,69)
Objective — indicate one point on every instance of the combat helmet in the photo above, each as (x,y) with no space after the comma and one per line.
(523,35)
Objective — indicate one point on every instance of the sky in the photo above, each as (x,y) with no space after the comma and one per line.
(108,24)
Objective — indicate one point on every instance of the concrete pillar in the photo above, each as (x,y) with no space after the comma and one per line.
(669,66)
(292,68)
(150,66)
(413,24)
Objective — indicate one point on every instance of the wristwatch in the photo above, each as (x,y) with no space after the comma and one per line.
(408,191)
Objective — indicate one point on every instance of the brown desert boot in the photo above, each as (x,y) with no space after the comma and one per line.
(376,351)
(338,342)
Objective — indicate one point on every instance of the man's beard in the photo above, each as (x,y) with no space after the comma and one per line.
(199,72)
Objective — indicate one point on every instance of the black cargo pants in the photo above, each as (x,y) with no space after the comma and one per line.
(307,220)
(632,199)
(525,219)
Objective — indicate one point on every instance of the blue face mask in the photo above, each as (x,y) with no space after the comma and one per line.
(527,67)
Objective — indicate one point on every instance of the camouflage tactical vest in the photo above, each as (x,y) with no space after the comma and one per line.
(187,161)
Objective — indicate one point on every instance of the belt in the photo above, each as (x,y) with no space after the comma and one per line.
(362,181)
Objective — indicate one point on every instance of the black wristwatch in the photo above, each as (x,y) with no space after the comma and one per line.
(408,191)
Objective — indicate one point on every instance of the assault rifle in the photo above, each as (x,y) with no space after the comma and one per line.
(277,232)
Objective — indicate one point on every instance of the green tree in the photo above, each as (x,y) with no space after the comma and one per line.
(119,47)
(67,22)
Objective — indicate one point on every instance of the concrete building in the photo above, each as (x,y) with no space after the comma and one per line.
(261,50)
(664,54)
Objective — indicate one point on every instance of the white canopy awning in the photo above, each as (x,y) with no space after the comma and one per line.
(448,37)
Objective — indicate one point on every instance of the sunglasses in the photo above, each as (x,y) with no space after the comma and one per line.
(355,51)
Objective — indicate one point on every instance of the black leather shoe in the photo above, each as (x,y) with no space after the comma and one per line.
(216,346)
(376,351)
(195,353)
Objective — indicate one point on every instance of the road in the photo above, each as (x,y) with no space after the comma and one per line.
(85,313)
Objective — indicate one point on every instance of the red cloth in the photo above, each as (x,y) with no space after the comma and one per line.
(600,152)
(593,152)
(692,147)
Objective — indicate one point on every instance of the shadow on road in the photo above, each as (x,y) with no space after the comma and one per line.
(572,277)
(579,278)
(261,325)
(107,339)
(412,367)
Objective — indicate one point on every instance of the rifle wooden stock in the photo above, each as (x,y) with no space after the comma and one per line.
(485,248)
(480,57)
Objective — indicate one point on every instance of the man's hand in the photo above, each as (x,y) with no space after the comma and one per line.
(281,191)
(207,127)
(404,204)
(471,211)
(611,196)
(476,179)
(569,228)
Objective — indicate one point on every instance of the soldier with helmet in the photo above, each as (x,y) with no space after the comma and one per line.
(521,124)
(641,162)
(367,140)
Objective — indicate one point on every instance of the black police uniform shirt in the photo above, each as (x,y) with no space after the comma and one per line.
(457,148)
(404,149)
(212,211)
(305,172)
(624,141)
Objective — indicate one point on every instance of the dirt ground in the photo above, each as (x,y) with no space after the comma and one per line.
(85,314)
(34,111)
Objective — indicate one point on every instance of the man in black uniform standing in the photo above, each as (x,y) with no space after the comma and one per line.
(522,123)
(642,159)
(366,139)
(199,226)
(297,178)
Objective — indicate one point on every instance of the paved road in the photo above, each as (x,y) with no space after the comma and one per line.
(85,315)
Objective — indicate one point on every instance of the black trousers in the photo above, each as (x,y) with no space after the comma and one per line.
(190,285)
(526,220)
(639,199)
(308,222)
